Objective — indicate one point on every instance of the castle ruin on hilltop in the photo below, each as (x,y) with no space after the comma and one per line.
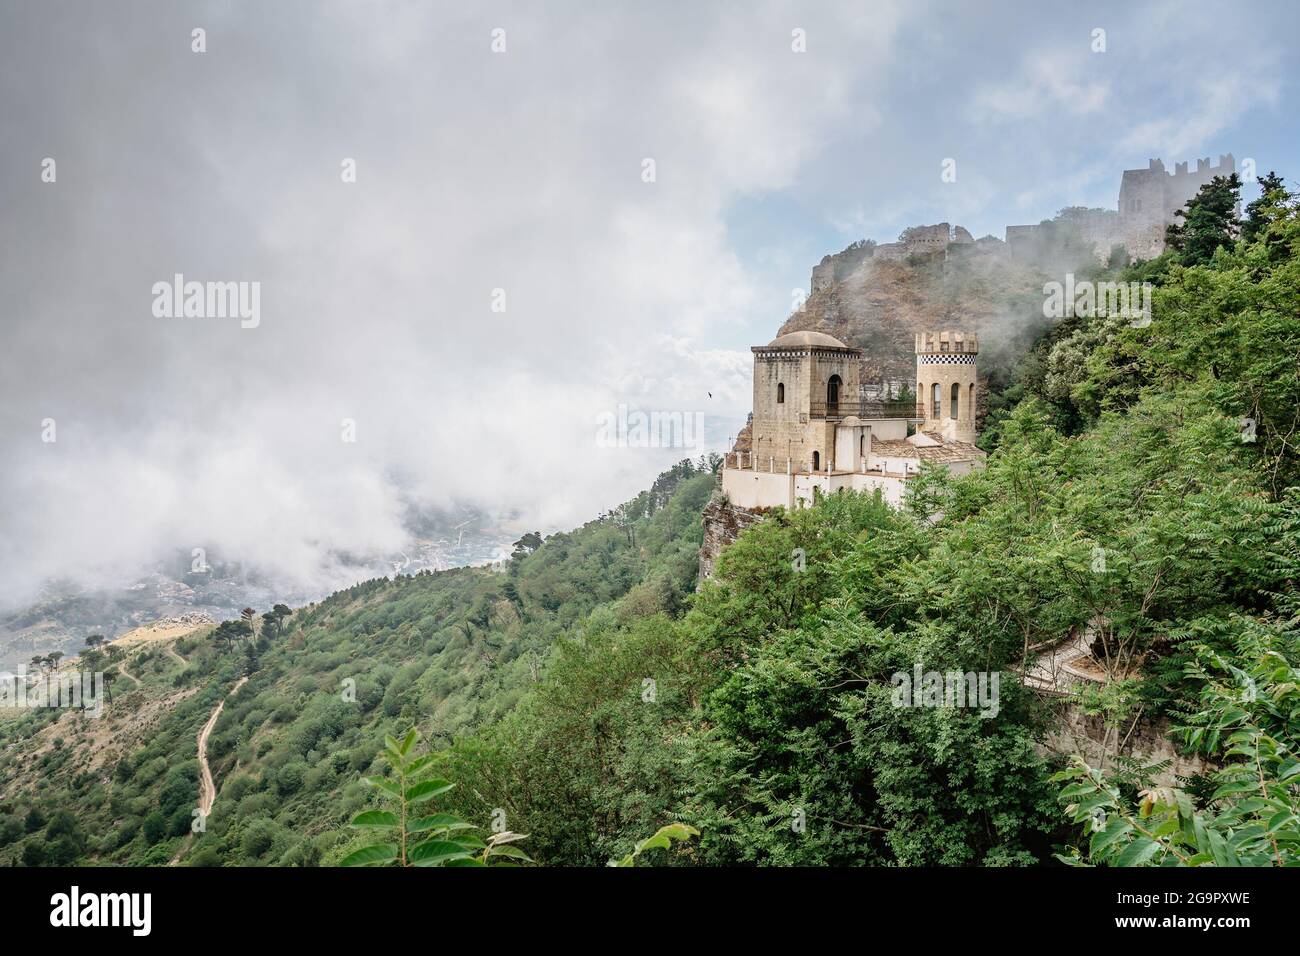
(817,426)
(1148,200)
(1147,203)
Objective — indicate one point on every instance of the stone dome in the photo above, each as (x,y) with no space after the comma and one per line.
(805,340)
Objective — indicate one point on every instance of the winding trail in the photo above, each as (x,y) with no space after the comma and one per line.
(208,789)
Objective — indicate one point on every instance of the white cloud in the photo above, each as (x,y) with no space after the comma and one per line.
(1044,82)
(1216,103)
(475,171)
(478,171)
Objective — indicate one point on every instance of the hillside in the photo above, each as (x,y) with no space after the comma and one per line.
(1124,503)
(447,651)
(66,612)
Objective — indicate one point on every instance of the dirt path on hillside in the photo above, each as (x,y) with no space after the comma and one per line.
(208,789)
(169,648)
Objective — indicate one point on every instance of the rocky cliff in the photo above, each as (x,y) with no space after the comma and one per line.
(723,523)
(876,297)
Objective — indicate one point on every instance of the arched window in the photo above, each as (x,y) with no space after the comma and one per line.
(936,401)
(862,445)
(780,393)
(956,394)
(817,461)
(833,390)
(970,404)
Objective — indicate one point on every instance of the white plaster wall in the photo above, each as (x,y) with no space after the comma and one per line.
(889,429)
(891,487)
(824,484)
(890,463)
(848,439)
(757,489)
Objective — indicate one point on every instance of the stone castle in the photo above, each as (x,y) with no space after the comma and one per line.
(812,434)
(1148,199)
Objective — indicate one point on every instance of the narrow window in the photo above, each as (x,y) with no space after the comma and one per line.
(970,404)
(780,393)
(936,402)
(817,461)
(956,393)
(833,391)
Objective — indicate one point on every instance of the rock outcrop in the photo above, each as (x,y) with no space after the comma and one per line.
(723,523)
(1149,742)
(879,302)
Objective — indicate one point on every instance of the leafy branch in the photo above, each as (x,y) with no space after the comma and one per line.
(431,839)
(662,840)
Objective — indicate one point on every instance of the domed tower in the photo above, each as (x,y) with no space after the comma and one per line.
(805,385)
(945,383)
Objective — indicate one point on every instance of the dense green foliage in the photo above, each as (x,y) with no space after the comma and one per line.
(1250,713)
(446,652)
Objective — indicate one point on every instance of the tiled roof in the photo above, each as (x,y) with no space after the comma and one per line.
(945,452)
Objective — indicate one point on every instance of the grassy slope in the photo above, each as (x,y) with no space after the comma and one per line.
(446,651)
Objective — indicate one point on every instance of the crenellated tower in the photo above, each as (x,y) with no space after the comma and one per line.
(945,383)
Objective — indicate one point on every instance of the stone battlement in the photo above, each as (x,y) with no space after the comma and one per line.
(946,342)
(1226,166)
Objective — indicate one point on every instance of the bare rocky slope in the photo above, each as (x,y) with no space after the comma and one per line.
(878,302)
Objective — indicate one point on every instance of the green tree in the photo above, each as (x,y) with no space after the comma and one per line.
(154,827)
(1209,221)
(1272,205)
(34,853)
(529,543)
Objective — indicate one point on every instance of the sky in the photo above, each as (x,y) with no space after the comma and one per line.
(503,273)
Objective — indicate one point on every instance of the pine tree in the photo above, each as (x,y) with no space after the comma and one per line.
(1209,221)
(1273,202)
